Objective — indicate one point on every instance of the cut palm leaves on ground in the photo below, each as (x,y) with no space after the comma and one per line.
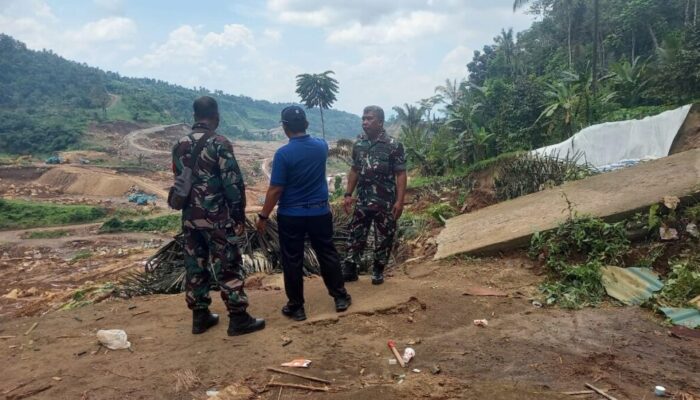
(165,271)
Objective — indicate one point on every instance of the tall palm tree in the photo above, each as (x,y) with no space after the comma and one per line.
(414,132)
(517,4)
(507,45)
(450,92)
(318,90)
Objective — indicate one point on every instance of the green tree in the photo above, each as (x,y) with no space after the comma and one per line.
(318,90)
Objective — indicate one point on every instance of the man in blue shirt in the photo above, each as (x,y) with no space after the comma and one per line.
(298,183)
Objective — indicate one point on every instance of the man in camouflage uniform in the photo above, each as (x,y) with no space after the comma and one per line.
(213,216)
(379,173)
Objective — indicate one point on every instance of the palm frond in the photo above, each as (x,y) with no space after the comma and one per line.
(164,272)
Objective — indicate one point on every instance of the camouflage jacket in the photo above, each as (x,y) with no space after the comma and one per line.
(218,191)
(376,164)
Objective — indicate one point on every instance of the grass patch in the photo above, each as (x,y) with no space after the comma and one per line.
(163,224)
(81,255)
(46,234)
(682,284)
(441,212)
(20,214)
(573,255)
(410,225)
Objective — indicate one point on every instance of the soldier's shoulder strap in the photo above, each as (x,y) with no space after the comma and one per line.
(201,142)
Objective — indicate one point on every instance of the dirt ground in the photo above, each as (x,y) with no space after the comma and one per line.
(524,353)
(44,272)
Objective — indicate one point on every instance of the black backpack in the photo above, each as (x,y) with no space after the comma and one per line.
(179,193)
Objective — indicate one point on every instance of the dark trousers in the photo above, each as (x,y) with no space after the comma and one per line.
(292,233)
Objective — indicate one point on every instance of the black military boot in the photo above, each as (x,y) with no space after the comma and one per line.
(342,303)
(240,324)
(295,313)
(202,320)
(349,272)
(378,274)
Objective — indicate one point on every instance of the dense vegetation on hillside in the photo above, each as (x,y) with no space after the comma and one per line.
(46,102)
(558,77)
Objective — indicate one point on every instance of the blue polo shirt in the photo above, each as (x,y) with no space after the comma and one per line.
(300,167)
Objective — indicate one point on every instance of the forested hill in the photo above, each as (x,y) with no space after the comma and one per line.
(46,103)
(581,63)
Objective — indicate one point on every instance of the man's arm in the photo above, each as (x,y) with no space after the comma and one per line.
(353,178)
(232,182)
(399,163)
(271,198)
(401,180)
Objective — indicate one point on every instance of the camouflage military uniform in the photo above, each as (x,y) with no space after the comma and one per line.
(216,203)
(376,164)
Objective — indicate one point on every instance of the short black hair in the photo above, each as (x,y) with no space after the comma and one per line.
(296,126)
(205,107)
(376,110)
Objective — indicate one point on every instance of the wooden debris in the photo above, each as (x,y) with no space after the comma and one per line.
(600,392)
(295,386)
(392,346)
(311,378)
(578,393)
(17,387)
(139,313)
(6,337)
(31,329)
(29,393)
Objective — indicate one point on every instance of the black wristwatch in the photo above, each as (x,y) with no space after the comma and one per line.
(347,194)
(262,216)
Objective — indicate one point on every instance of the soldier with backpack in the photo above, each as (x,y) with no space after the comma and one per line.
(209,190)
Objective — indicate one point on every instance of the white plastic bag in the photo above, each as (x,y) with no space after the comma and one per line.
(113,339)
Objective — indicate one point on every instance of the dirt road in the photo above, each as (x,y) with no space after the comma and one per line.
(132,139)
(524,352)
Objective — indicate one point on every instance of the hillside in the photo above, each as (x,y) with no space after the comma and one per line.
(46,103)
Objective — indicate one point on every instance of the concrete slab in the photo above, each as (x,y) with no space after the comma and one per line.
(612,196)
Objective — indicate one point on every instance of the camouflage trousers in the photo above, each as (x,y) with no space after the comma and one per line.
(212,257)
(385,230)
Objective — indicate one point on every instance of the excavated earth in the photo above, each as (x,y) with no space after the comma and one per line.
(525,352)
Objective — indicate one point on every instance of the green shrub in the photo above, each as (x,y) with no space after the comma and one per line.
(165,223)
(20,214)
(47,234)
(682,284)
(573,254)
(527,173)
(81,255)
(441,212)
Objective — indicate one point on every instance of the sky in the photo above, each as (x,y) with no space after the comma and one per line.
(382,52)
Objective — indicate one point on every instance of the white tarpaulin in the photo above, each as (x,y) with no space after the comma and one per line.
(612,142)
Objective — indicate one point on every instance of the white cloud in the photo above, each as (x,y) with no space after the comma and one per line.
(232,36)
(400,29)
(272,35)
(334,12)
(111,6)
(316,18)
(105,30)
(454,63)
(185,45)
(31,21)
